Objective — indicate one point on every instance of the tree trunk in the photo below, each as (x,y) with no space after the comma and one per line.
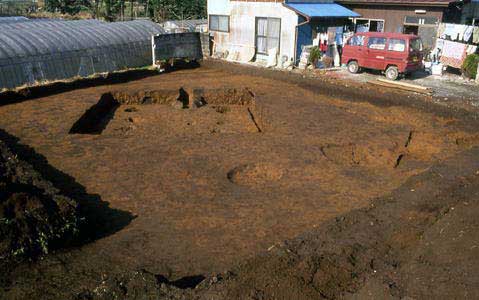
(131,9)
(108,10)
(96,13)
(147,12)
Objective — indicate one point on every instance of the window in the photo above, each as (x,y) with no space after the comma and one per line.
(420,20)
(415,45)
(219,23)
(377,43)
(356,40)
(268,32)
(397,45)
(369,25)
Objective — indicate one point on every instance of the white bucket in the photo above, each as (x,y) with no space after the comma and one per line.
(437,69)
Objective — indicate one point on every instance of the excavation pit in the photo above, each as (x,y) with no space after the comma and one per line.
(222,100)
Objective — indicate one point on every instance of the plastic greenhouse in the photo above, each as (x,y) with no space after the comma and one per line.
(32,52)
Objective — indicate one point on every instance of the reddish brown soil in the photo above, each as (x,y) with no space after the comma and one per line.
(208,190)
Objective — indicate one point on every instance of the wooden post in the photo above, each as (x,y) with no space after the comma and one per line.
(477,74)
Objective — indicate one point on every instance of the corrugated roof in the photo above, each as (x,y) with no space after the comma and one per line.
(325,10)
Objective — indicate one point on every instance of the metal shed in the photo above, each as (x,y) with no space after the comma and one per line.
(35,52)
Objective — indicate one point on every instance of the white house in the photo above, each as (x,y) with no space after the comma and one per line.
(250,29)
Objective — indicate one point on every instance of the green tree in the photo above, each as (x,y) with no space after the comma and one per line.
(111,10)
(71,7)
(161,10)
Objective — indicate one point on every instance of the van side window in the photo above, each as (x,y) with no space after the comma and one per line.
(397,45)
(415,45)
(377,43)
(356,40)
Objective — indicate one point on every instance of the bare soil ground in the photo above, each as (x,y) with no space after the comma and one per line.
(450,90)
(374,191)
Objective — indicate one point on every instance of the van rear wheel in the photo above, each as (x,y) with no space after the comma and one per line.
(392,73)
(353,67)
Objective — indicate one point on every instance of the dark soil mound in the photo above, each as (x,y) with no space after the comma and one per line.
(33,216)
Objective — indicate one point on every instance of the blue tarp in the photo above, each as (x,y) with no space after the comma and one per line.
(323,10)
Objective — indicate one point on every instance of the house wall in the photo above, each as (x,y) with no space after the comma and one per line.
(394,15)
(243,24)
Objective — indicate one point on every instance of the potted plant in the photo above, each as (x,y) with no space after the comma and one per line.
(314,56)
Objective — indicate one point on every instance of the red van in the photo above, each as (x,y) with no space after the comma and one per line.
(392,53)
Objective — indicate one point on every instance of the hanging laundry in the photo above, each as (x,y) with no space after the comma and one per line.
(471,49)
(475,38)
(436,52)
(331,35)
(454,32)
(453,54)
(458,32)
(449,31)
(339,36)
(362,28)
(323,43)
(468,33)
(346,37)
(323,46)
(380,27)
(453,49)
(461,29)
(441,29)
(317,39)
(440,43)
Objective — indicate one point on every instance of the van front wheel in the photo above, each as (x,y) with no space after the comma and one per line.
(353,67)
(392,73)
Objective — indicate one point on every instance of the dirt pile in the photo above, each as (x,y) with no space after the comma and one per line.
(34,217)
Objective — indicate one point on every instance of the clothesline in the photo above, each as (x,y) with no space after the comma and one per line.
(455,43)
(452,53)
(459,33)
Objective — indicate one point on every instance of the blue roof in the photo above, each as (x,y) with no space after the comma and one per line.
(314,10)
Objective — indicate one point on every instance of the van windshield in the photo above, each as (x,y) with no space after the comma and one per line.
(415,45)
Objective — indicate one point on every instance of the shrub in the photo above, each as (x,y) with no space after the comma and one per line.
(314,55)
(469,67)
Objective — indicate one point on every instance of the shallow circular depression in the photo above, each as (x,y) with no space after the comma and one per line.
(255,174)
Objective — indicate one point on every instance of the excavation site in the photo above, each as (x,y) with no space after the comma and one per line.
(233,182)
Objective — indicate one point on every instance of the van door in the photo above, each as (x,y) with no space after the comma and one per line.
(376,53)
(397,53)
(415,50)
(354,50)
